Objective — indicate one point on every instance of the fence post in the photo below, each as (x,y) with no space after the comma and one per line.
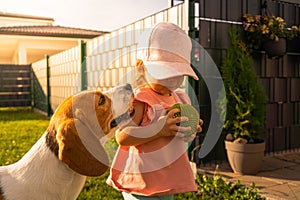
(192,34)
(31,87)
(191,82)
(83,65)
(48,103)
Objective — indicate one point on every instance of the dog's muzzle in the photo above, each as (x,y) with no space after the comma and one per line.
(129,113)
(124,117)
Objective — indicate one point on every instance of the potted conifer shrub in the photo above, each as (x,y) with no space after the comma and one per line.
(242,109)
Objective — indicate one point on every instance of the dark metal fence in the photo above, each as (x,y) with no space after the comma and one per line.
(15,85)
(280,77)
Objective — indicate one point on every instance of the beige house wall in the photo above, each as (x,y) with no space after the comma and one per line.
(29,49)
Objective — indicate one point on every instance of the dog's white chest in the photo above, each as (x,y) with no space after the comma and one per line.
(40,175)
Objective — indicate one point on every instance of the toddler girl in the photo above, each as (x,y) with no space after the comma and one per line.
(151,162)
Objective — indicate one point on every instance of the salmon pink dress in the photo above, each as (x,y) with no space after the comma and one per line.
(159,167)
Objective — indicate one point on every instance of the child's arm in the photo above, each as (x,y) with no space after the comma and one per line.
(165,126)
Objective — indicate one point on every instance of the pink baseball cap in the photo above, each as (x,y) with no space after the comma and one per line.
(168,52)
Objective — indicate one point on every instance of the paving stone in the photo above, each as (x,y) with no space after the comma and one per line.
(283,191)
(272,163)
(295,168)
(284,174)
(290,157)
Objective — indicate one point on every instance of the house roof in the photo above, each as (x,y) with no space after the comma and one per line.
(50,31)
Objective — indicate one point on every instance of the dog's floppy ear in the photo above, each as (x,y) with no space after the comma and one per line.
(73,152)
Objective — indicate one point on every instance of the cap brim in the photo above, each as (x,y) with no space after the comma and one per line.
(163,69)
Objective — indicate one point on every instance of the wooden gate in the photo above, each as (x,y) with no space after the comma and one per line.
(15,85)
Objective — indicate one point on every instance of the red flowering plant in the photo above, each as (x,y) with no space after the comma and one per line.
(260,28)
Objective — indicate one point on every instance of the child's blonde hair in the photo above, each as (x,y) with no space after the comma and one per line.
(140,79)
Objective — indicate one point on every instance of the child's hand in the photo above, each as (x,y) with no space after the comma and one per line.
(199,127)
(189,138)
(199,130)
(170,127)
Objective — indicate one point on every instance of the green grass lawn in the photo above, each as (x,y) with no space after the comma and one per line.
(20,128)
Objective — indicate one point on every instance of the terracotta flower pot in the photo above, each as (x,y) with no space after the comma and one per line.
(245,158)
(275,49)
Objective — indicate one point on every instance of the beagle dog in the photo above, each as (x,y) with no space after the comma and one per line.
(71,148)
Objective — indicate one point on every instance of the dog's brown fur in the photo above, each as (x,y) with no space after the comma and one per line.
(64,141)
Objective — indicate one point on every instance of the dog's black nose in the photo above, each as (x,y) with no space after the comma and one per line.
(128,87)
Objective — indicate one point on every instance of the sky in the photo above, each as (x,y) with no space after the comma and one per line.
(104,15)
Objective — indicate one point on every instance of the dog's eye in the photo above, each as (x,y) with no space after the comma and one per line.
(101,100)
